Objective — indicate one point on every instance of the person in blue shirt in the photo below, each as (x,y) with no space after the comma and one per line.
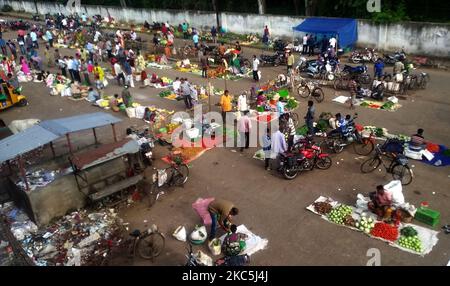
(378,68)
(195,39)
(3,46)
(76,70)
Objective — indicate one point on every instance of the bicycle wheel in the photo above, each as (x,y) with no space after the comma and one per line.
(303,90)
(337,145)
(318,94)
(180,175)
(151,245)
(370,165)
(424,81)
(363,148)
(402,173)
(152,195)
(324,163)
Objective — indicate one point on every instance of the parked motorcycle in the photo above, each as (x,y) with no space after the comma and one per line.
(369,55)
(274,60)
(338,140)
(306,159)
(393,58)
(360,72)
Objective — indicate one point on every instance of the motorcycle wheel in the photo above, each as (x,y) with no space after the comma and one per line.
(303,90)
(323,163)
(289,174)
(370,165)
(402,173)
(329,76)
(337,145)
(363,148)
(318,94)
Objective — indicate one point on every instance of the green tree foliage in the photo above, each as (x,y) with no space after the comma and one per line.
(391,11)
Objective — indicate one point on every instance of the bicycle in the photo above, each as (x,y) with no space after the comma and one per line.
(311,88)
(148,244)
(176,175)
(398,166)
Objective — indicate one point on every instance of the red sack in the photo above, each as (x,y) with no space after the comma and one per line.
(433,148)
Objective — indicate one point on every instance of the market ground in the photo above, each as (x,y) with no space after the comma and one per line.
(270,206)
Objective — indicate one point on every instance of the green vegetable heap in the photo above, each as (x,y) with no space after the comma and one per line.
(338,214)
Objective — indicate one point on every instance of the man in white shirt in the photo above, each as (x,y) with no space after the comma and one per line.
(176,85)
(333,42)
(242,102)
(64,22)
(34,39)
(305,44)
(97,35)
(255,68)
(119,73)
(133,35)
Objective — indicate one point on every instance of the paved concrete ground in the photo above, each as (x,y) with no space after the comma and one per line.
(270,206)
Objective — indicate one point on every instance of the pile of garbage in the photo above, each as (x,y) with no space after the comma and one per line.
(79,238)
(37,179)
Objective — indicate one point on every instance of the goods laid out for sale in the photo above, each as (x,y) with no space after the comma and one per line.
(405,236)
(388,105)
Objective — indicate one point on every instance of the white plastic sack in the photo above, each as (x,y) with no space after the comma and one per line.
(180,233)
(415,155)
(393,99)
(215,246)
(17,126)
(395,189)
(131,112)
(361,202)
(203,259)
(105,82)
(199,233)
(140,110)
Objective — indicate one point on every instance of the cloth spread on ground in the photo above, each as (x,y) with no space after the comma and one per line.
(388,105)
(253,242)
(427,236)
(441,158)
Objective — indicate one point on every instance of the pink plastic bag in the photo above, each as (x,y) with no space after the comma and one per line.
(201,208)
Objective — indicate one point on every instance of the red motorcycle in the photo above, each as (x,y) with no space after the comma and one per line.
(304,158)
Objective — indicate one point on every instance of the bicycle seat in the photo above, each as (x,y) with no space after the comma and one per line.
(135,233)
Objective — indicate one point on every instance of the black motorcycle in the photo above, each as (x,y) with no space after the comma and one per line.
(279,45)
(393,58)
(274,60)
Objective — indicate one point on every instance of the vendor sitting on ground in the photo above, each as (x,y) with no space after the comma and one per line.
(114,103)
(234,242)
(381,202)
(13,81)
(93,95)
(417,142)
(221,212)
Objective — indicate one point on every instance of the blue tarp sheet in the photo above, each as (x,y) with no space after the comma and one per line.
(345,29)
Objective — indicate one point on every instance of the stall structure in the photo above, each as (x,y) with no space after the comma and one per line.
(44,133)
(107,170)
(345,29)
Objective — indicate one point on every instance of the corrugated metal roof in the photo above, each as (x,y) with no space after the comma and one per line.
(25,141)
(49,130)
(105,153)
(76,123)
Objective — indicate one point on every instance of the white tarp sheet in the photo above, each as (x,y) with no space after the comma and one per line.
(253,242)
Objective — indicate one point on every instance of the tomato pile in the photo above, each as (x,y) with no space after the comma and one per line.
(385,231)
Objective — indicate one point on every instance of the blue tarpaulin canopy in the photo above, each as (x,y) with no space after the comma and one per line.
(345,29)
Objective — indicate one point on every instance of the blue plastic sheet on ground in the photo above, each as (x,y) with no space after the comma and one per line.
(440,159)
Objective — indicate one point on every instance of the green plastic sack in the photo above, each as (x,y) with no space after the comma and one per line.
(283,93)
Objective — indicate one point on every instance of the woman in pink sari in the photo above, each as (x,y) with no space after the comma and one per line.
(25,68)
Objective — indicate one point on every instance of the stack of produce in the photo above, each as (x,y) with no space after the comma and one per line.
(409,239)
(323,207)
(349,220)
(291,103)
(338,214)
(365,224)
(165,93)
(385,231)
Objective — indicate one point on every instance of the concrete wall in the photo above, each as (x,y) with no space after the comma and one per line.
(418,38)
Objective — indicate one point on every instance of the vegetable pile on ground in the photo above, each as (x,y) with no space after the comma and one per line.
(338,214)
(349,221)
(409,239)
(411,242)
(365,224)
(385,231)
(165,93)
(323,207)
